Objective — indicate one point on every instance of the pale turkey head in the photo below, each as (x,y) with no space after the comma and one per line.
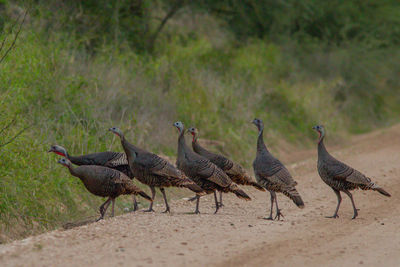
(321,131)
(65,162)
(116,131)
(259,123)
(193,131)
(179,125)
(59,150)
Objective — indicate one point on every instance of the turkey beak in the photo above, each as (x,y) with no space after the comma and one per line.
(51,150)
(314,127)
(176,127)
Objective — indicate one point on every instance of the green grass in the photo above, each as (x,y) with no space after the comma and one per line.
(70,97)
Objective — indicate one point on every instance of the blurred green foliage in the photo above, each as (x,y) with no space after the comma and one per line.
(80,67)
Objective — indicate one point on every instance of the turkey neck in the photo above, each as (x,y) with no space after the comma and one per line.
(195,145)
(201,150)
(181,144)
(128,148)
(260,142)
(73,171)
(322,152)
(75,160)
(194,141)
(66,155)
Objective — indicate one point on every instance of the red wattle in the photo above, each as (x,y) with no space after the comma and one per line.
(319,138)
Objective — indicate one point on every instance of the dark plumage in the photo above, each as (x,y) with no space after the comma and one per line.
(154,171)
(341,177)
(205,173)
(272,174)
(110,159)
(236,172)
(104,182)
(114,160)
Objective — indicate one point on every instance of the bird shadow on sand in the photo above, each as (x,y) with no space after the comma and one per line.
(70,225)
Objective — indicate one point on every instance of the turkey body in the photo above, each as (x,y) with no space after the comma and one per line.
(203,172)
(235,172)
(272,174)
(114,160)
(341,177)
(104,182)
(154,171)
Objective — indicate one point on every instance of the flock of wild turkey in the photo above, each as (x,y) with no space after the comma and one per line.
(109,174)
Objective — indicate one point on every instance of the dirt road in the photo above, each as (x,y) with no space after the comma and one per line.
(237,235)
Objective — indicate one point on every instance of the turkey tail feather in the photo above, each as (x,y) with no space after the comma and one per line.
(144,195)
(295,196)
(239,192)
(195,188)
(375,187)
(382,191)
(257,186)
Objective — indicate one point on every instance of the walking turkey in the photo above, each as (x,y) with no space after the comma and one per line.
(104,182)
(273,175)
(154,171)
(205,173)
(236,172)
(341,177)
(110,159)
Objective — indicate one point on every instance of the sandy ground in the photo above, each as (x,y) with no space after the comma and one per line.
(237,235)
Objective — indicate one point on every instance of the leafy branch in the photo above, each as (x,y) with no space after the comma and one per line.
(9,124)
(2,57)
(13,121)
(174,8)
(15,37)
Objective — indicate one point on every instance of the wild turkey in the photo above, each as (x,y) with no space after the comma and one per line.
(110,159)
(205,173)
(236,172)
(154,171)
(341,177)
(104,182)
(273,175)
